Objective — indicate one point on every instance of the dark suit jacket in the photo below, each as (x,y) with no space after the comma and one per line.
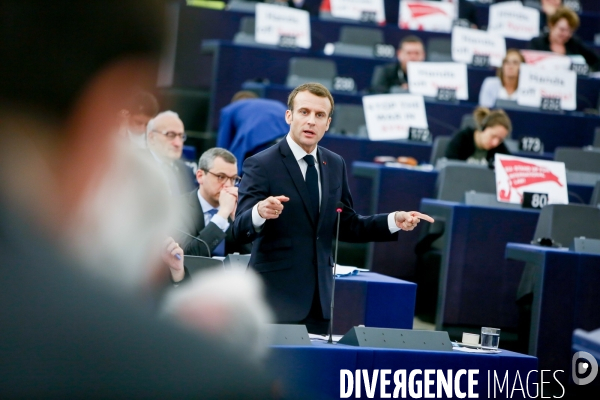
(293,252)
(193,224)
(386,76)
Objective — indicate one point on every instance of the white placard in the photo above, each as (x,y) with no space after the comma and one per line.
(469,42)
(355,9)
(390,116)
(546,59)
(536,83)
(426,15)
(274,22)
(515,175)
(426,78)
(511,19)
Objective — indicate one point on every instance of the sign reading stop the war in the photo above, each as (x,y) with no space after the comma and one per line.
(518,175)
(391,116)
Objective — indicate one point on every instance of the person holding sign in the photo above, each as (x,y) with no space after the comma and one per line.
(479,145)
(290,198)
(504,85)
(560,39)
(394,75)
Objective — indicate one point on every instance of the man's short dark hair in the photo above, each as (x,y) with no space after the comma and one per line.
(207,159)
(51,52)
(410,39)
(314,88)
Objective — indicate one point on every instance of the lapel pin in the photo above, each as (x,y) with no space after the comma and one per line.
(324,163)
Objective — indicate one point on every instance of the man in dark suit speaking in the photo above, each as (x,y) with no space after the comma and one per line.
(292,243)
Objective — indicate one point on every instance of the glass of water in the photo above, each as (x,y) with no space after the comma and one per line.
(490,337)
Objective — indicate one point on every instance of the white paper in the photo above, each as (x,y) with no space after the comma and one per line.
(426,15)
(546,59)
(511,19)
(390,116)
(536,83)
(346,270)
(353,9)
(469,42)
(515,175)
(426,78)
(478,351)
(273,22)
(334,338)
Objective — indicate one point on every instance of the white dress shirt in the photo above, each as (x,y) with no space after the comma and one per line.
(492,90)
(299,154)
(221,222)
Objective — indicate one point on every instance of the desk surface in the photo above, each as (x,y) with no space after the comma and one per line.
(314,371)
(477,285)
(373,300)
(565,298)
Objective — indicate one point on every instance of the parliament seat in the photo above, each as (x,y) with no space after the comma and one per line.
(302,70)
(577,159)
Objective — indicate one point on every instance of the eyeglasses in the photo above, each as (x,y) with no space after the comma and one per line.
(172,135)
(235,180)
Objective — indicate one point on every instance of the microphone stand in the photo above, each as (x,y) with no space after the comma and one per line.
(198,239)
(337,239)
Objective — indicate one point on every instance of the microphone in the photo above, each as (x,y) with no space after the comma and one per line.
(196,238)
(339,207)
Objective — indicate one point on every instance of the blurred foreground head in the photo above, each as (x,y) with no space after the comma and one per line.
(228,305)
(66,73)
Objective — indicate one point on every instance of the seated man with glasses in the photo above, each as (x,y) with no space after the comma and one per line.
(209,211)
(165,136)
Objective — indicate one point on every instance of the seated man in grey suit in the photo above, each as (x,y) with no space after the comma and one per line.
(166,135)
(210,210)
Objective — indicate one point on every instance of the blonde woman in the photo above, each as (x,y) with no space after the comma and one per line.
(504,85)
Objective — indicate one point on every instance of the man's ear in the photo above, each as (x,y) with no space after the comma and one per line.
(289,116)
(200,176)
(328,123)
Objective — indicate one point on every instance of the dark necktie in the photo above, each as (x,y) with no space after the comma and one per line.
(312,183)
(220,249)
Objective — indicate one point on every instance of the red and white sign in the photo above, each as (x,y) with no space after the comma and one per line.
(426,15)
(536,83)
(515,175)
(546,59)
(427,78)
(273,22)
(511,19)
(355,9)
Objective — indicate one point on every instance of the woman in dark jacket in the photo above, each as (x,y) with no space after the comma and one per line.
(479,145)
(563,24)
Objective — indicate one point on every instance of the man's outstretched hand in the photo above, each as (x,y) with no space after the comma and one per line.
(408,220)
(271,207)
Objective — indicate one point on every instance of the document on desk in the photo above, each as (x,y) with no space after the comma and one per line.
(346,270)
(324,338)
